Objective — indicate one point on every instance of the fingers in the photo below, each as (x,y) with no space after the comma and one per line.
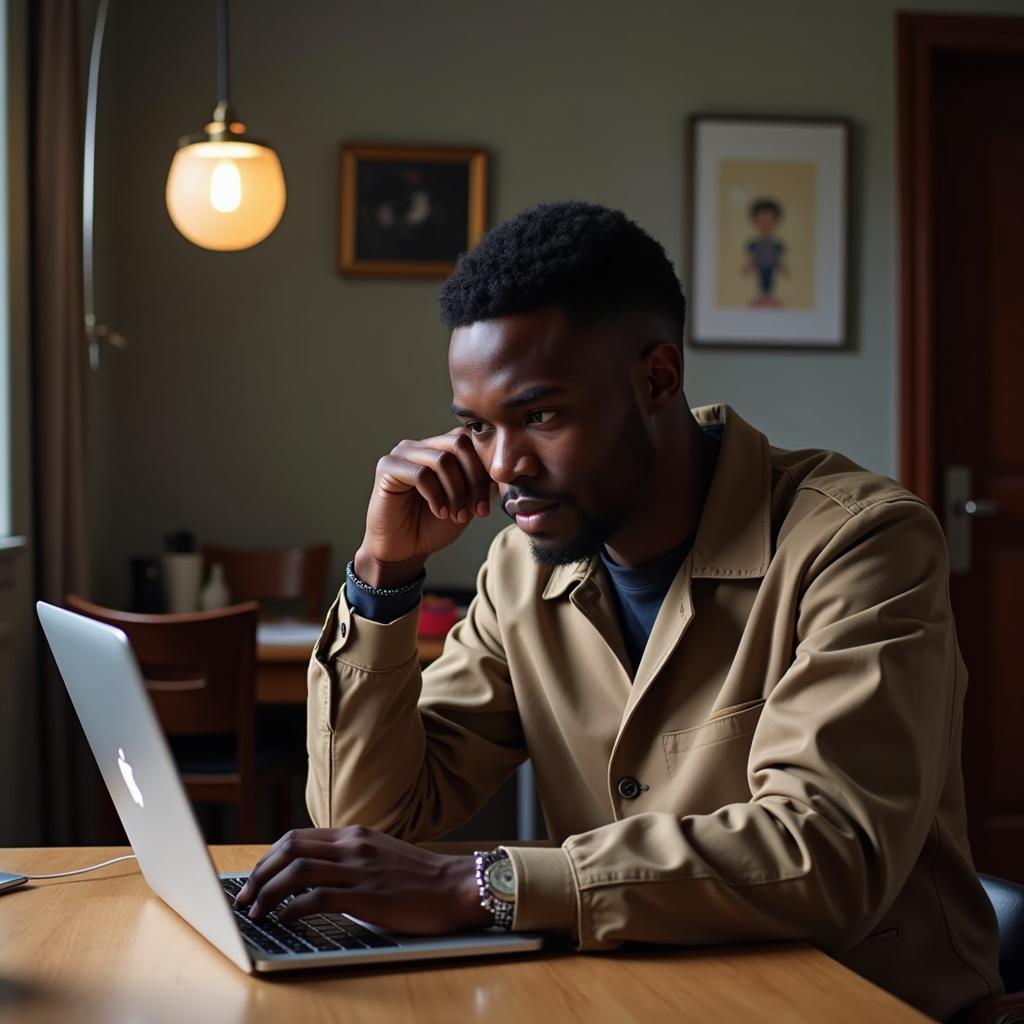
(445,470)
(318,901)
(395,474)
(306,872)
(479,482)
(283,851)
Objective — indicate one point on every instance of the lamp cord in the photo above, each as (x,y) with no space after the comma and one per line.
(222,56)
(82,871)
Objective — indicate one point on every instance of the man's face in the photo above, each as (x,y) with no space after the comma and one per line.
(553,415)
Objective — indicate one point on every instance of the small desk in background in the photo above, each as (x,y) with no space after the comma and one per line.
(102,949)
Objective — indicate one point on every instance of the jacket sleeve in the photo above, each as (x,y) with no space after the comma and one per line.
(411,754)
(845,770)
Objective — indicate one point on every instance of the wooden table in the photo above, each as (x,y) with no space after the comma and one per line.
(281,669)
(102,948)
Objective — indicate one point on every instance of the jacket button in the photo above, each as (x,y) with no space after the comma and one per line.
(629,788)
(342,630)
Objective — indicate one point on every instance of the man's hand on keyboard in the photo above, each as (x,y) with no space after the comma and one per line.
(369,875)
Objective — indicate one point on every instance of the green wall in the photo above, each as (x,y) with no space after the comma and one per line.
(260,388)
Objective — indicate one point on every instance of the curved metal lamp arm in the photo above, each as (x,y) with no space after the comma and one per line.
(94,332)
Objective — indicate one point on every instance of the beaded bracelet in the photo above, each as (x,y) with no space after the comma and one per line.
(350,573)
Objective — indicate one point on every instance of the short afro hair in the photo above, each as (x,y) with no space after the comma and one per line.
(591,261)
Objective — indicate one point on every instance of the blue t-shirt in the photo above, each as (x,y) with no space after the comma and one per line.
(640,589)
(639,593)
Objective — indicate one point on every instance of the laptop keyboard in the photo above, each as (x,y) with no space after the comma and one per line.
(316,933)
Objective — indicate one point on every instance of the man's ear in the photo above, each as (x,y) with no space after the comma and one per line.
(663,375)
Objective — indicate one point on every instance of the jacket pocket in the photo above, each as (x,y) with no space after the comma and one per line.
(727,724)
(735,709)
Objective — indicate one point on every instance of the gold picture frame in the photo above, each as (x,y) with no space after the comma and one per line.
(409,211)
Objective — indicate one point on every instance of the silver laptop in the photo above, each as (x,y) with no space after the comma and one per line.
(109,695)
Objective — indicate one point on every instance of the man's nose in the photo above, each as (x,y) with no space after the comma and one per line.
(510,461)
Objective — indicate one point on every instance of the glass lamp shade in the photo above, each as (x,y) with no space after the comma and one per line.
(225,195)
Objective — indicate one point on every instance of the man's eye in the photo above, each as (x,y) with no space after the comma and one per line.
(475,427)
(542,416)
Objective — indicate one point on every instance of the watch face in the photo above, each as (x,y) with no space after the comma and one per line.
(501,879)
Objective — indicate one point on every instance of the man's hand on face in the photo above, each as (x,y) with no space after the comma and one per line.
(369,875)
(424,495)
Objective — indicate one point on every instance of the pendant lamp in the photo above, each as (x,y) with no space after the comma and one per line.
(225,191)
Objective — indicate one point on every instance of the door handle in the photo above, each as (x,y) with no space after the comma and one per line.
(980,508)
(958,509)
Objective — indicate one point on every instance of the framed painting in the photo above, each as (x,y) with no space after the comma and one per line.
(409,211)
(768,231)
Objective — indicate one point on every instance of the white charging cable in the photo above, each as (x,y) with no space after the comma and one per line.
(82,871)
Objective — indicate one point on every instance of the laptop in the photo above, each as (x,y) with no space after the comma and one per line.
(107,690)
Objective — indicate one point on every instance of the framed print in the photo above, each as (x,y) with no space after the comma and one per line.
(768,225)
(409,211)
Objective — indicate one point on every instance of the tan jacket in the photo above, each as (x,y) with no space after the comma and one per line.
(794,725)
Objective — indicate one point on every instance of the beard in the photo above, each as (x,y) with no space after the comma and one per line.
(613,494)
(589,541)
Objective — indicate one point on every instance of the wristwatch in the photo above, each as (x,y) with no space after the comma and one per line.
(496,883)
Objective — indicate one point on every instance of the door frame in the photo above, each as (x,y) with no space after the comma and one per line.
(920,40)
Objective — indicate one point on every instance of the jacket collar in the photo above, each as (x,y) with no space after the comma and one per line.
(734,535)
(565,576)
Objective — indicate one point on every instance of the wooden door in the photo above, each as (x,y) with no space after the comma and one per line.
(973,171)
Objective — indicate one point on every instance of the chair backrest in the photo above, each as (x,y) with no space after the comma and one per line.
(1008,900)
(200,668)
(283,575)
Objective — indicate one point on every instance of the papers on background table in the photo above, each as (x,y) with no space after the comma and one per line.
(288,633)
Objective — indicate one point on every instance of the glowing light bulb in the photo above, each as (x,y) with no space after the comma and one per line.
(225,194)
(225,187)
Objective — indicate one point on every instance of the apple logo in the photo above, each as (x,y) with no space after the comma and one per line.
(129,778)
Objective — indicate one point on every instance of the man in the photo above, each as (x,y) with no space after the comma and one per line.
(733,667)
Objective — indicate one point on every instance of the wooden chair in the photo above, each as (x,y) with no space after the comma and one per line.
(200,671)
(294,575)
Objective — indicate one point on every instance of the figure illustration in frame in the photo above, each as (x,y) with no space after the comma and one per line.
(765,252)
(769,204)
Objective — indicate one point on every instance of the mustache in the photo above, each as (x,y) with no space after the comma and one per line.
(517,493)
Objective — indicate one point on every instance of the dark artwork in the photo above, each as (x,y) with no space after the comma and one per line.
(410,210)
